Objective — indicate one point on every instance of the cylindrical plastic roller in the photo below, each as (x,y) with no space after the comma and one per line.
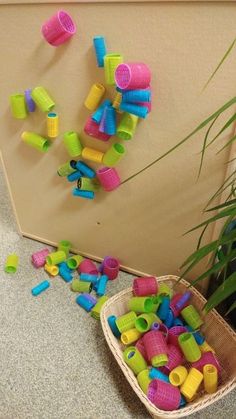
(191,316)
(111,62)
(189,347)
(11,263)
(36,141)
(108,178)
(144,380)
(132,76)
(127,126)
(163,310)
(56,257)
(18,106)
(134,360)
(51,269)
(52,124)
(140,304)
(177,322)
(178,375)
(94,97)
(87,184)
(29,101)
(42,99)
(91,128)
(88,267)
(112,323)
(207,358)
(88,277)
(134,109)
(65,246)
(108,121)
(146,285)
(205,347)
(85,302)
(74,176)
(175,358)
(130,336)
(92,155)
(111,267)
(102,284)
(66,169)
(117,101)
(97,115)
(157,374)
(58,29)
(181,303)
(135,96)
(95,313)
(113,155)
(144,322)
(174,333)
(126,322)
(156,348)
(83,194)
(197,336)
(40,288)
(164,290)
(80,286)
(164,395)
(65,273)
(191,384)
(140,346)
(74,261)
(174,300)
(169,320)
(39,258)
(72,143)
(156,299)
(210,376)
(84,168)
(100,49)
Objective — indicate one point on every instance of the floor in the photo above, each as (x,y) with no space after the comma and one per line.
(54,361)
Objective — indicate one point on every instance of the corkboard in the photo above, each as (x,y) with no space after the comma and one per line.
(143,221)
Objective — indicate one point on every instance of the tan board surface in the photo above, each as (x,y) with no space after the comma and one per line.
(143,221)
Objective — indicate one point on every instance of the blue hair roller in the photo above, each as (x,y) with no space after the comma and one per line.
(156,374)
(40,288)
(88,278)
(183,300)
(102,283)
(97,115)
(83,168)
(112,323)
(133,96)
(169,319)
(83,194)
(100,50)
(178,322)
(74,176)
(140,111)
(109,117)
(85,302)
(164,308)
(200,339)
(182,402)
(65,274)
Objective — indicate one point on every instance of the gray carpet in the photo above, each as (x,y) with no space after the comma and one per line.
(54,361)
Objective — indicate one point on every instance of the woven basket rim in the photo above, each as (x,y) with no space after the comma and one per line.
(204,401)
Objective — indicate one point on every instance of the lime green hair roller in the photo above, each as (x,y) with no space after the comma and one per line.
(144,380)
(134,360)
(72,143)
(164,290)
(144,322)
(65,246)
(126,322)
(140,304)
(65,169)
(127,126)
(189,347)
(113,155)
(36,141)
(87,184)
(80,286)
(11,263)
(56,257)
(42,99)
(18,106)
(74,261)
(95,312)
(191,316)
(111,61)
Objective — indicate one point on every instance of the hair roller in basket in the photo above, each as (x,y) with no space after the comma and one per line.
(174,300)
(144,322)
(140,304)
(130,336)
(174,333)
(111,267)
(164,395)
(144,286)
(178,375)
(158,374)
(140,346)
(175,358)
(126,322)
(181,303)
(134,360)
(58,29)
(164,290)
(156,348)
(112,323)
(191,316)
(205,347)
(207,358)
(156,299)
(108,178)
(144,380)
(88,267)
(132,76)
(163,310)
(189,347)
(210,376)
(191,384)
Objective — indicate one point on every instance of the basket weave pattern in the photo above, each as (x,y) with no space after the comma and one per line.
(218,334)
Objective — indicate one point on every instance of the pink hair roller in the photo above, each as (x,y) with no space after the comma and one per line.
(175,358)
(207,358)
(58,29)
(39,258)
(174,300)
(111,267)
(92,129)
(108,178)
(146,285)
(164,330)
(174,333)
(156,348)
(88,267)
(132,76)
(164,395)
(141,348)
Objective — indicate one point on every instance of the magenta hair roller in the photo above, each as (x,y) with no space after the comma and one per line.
(92,129)
(88,267)
(132,76)
(164,330)
(108,178)
(174,333)
(141,348)
(207,358)
(111,267)
(146,285)
(164,395)
(58,29)
(156,348)
(181,303)
(175,358)
(39,258)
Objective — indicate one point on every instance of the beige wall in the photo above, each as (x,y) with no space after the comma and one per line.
(143,221)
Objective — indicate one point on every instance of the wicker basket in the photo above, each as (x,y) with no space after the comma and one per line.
(218,334)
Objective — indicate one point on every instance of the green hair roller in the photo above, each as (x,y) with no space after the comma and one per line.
(165,290)
(74,261)
(191,317)
(111,61)
(87,184)
(144,322)
(80,286)
(65,169)
(134,360)
(42,99)
(144,380)
(18,106)
(11,263)
(157,300)
(56,257)
(36,141)
(95,312)
(126,322)
(127,126)
(189,347)
(72,143)
(65,246)
(113,155)
(140,304)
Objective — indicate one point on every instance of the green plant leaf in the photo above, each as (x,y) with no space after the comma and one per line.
(224,213)
(221,188)
(230,121)
(201,236)
(232,307)
(227,144)
(220,63)
(198,128)
(204,145)
(224,204)
(222,292)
